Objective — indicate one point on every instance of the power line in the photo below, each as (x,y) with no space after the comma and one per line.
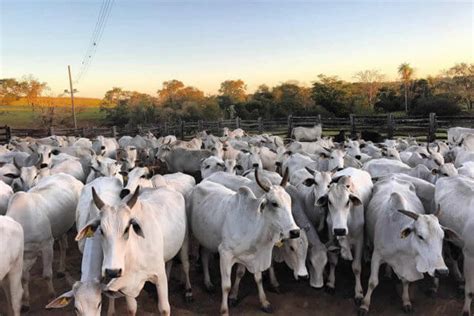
(99,28)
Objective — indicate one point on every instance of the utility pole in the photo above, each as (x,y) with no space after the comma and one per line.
(71,90)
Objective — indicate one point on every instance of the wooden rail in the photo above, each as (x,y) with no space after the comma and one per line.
(388,126)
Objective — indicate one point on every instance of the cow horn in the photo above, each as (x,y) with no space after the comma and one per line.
(97,201)
(16,164)
(261,185)
(410,214)
(438,211)
(428,147)
(284,181)
(439,148)
(134,198)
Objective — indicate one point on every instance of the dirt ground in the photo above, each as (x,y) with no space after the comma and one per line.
(297,297)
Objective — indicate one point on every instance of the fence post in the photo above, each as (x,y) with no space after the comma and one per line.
(260,125)
(432,129)
(237,122)
(390,126)
(200,128)
(165,128)
(353,125)
(219,126)
(319,120)
(114,131)
(182,129)
(8,133)
(51,131)
(290,125)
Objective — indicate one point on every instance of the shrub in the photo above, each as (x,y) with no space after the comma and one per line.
(442,105)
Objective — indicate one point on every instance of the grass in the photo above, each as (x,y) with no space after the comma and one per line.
(20,115)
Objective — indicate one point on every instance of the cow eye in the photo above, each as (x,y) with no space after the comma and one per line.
(331,158)
(207,167)
(292,248)
(143,177)
(421,237)
(445,174)
(348,203)
(274,204)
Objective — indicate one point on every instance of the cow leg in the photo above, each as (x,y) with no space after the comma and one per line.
(331,284)
(234,292)
(356,268)
(373,282)
(266,307)
(273,279)
(131,305)
(28,263)
(6,290)
(407,308)
(205,254)
(47,254)
(226,271)
(184,256)
(111,307)
(16,290)
(162,289)
(469,287)
(62,256)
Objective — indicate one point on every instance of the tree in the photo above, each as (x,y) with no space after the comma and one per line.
(406,73)
(290,98)
(462,76)
(29,88)
(333,94)
(370,82)
(387,100)
(235,90)
(169,92)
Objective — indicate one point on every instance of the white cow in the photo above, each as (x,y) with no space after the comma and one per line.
(46,213)
(138,237)
(242,228)
(11,262)
(402,236)
(211,165)
(5,193)
(345,201)
(455,195)
(307,134)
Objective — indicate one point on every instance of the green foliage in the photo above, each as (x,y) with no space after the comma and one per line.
(388,100)
(334,95)
(440,104)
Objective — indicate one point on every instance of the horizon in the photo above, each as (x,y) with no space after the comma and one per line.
(203,43)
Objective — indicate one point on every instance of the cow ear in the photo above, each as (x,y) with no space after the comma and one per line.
(323,155)
(355,200)
(136,227)
(309,182)
(61,301)
(322,201)
(451,235)
(88,230)
(404,233)
(262,205)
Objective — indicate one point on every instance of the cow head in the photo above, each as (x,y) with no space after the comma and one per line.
(293,252)
(340,201)
(424,235)
(230,166)
(211,165)
(335,158)
(87,298)
(319,181)
(276,207)
(117,227)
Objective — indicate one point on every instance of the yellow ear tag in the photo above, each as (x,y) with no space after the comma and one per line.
(64,301)
(279,244)
(89,232)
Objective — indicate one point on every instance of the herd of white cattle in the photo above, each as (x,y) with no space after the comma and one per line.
(254,200)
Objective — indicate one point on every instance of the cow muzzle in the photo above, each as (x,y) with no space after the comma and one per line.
(294,233)
(340,231)
(113,273)
(441,272)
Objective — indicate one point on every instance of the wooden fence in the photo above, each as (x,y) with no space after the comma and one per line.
(389,126)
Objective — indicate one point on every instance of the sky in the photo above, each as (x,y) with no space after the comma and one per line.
(203,43)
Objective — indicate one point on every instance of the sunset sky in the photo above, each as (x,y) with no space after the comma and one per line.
(203,43)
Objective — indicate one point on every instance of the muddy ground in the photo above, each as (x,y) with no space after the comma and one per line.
(297,297)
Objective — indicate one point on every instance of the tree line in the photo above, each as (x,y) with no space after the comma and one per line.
(449,93)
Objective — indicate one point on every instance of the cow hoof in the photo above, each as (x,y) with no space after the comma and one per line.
(60,275)
(25,308)
(431,293)
(267,309)
(330,290)
(210,289)
(233,302)
(358,301)
(407,308)
(362,312)
(188,296)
